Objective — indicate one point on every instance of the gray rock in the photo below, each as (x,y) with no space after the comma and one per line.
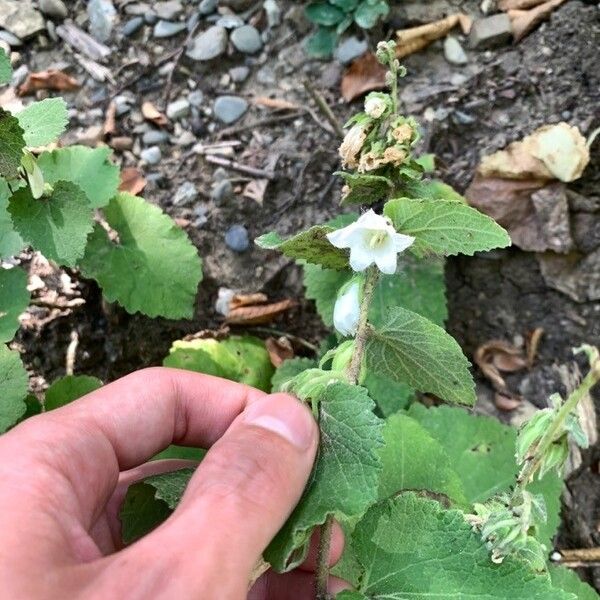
(418,11)
(239,74)
(19,76)
(168,10)
(490,32)
(187,138)
(186,193)
(193,21)
(196,98)
(454,52)
(230,21)
(229,109)
(166,29)
(246,39)
(151,155)
(102,15)
(122,105)
(273,13)
(154,137)
(178,109)
(51,29)
(150,18)
(220,174)
(20,18)
(350,49)
(132,26)
(237,238)
(209,44)
(55,9)
(221,191)
(138,9)
(10,39)
(266,75)
(207,7)
(200,214)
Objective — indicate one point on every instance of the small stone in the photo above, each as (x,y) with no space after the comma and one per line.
(266,75)
(230,21)
(221,191)
(229,109)
(224,298)
(185,139)
(102,15)
(168,10)
(237,238)
(122,104)
(19,76)
(220,174)
(178,109)
(150,18)
(350,49)
(20,18)
(166,29)
(154,137)
(490,32)
(132,26)
(10,39)
(239,74)
(151,155)
(273,13)
(207,7)
(238,5)
(196,98)
(121,143)
(186,193)
(246,39)
(138,9)
(209,44)
(200,214)
(54,9)
(454,52)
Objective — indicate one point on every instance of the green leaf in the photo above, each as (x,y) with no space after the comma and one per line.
(323,13)
(311,246)
(43,121)
(170,486)
(89,168)
(288,370)
(345,478)
(69,388)
(370,12)
(10,241)
(413,350)
(13,388)
(14,299)
(365,189)
(346,5)
(410,547)
(321,43)
(153,268)
(567,580)
(239,358)
(6,70)
(445,228)
(11,145)
(430,190)
(180,452)
(57,226)
(390,396)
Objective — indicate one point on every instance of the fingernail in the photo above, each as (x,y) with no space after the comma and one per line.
(286,417)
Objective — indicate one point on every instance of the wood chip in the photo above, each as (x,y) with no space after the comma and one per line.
(48,80)
(363,75)
(132,181)
(275,103)
(110,120)
(525,21)
(532,344)
(255,190)
(152,114)
(279,349)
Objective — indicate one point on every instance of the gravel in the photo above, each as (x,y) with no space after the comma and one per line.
(166,29)
(151,155)
(132,26)
(237,238)
(454,52)
(186,194)
(229,109)
(350,49)
(246,39)
(178,109)
(209,44)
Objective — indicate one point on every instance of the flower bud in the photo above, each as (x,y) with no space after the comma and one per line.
(376,105)
(343,355)
(346,312)
(352,145)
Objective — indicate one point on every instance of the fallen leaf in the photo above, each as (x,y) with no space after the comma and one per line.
(258,314)
(132,181)
(48,80)
(152,114)
(256,189)
(279,349)
(110,120)
(275,103)
(239,300)
(525,21)
(532,343)
(506,403)
(511,4)
(363,75)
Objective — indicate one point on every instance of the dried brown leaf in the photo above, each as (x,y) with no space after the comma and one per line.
(239,300)
(132,181)
(363,75)
(498,356)
(256,189)
(506,403)
(110,120)
(152,114)
(279,350)
(532,344)
(259,314)
(525,21)
(48,80)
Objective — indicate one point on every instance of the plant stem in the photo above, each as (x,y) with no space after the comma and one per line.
(534,460)
(353,373)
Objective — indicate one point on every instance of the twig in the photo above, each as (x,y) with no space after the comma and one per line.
(260,123)
(236,166)
(579,555)
(324,107)
(293,338)
(71,353)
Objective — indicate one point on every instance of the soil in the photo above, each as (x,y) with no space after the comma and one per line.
(466,112)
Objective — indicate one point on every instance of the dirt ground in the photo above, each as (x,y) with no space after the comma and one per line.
(466,112)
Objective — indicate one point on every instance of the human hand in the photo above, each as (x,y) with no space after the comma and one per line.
(65,473)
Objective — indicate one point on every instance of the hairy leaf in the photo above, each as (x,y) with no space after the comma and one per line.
(390,396)
(6,70)
(410,547)
(239,358)
(10,241)
(410,349)
(288,370)
(365,189)
(345,478)
(569,581)
(43,121)
(445,228)
(13,388)
(311,246)
(152,268)
(14,299)
(11,145)
(69,388)
(89,168)
(57,226)
(429,190)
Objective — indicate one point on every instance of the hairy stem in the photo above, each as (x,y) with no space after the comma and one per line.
(534,460)
(353,373)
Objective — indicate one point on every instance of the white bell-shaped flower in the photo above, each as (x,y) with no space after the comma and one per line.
(372,240)
(346,311)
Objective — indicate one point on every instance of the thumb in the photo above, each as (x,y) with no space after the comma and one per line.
(241,494)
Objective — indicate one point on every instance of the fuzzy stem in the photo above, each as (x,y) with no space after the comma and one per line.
(535,457)
(353,373)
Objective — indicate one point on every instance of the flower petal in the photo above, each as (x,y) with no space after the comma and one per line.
(346,312)
(387,262)
(401,242)
(360,257)
(342,238)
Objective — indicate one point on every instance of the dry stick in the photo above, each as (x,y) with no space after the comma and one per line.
(581,555)
(353,373)
(236,166)
(71,353)
(324,107)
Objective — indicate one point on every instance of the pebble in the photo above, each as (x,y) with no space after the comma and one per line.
(121,143)
(150,18)
(196,98)
(51,29)
(55,9)
(168,10)
(20,18)
(122,105)
(165,29)
(237,238)
(154,137)
(19,76)
(102,15)
(230,21)
(132,26)
(273,13)
(221,191)
(209,44)
(239,74)
(151,155)
(10,39)
(200,214)
(207,7)
(224,298)
(186,193)
(246,39)
(187,138)
(178,109)
(490,32)
(350,49)
(454,52)
(229,109)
